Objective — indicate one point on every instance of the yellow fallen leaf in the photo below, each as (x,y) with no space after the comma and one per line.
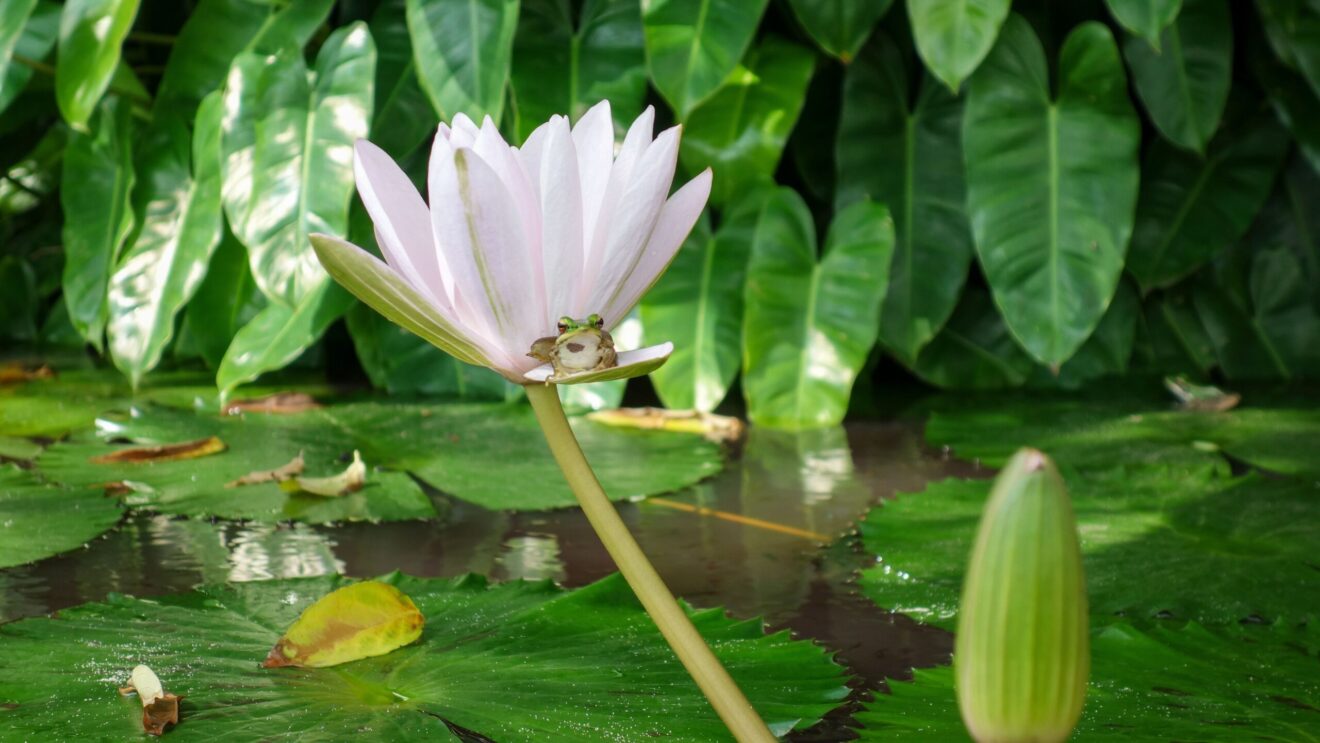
(357,621)
(350,480)
(719,429)
(279,474)
(163,453)
(158,708)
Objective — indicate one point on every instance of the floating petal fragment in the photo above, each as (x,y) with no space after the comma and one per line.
(354,622)
(721,429)
(350,480)
(158,708)
(163,453)
(279,474)
(280,403)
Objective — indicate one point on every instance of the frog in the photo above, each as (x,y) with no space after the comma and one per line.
(1192,396)
(580,346)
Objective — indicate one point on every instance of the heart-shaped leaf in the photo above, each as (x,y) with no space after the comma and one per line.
(1145,18)
(91,34)
(840,27)
(39,520)
(404,116)
(907,155)
(1051,183)
(953,38)
(693,45)
(34,32)
(518,661)
(14,15)
(809,325)
(462,50)
(974,350)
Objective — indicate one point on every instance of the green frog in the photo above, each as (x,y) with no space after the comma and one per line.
(579,347)
(1194,396)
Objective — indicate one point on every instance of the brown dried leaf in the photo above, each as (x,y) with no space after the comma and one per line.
(280,403)
(350,480)
(163,453)
(720,429)
(357,621)
(14,372)
(279,474)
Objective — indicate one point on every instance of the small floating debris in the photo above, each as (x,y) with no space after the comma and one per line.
(280,403)
(279,474)
(721,429)
(350,480)
(159,708)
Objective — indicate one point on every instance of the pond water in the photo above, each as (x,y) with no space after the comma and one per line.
(769,536)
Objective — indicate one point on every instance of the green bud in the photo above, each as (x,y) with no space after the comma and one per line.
(1022,654)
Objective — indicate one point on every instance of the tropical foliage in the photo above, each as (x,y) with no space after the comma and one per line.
(1057,192)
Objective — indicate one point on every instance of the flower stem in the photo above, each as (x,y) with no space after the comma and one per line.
(715,682)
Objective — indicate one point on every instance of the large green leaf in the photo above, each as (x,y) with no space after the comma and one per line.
(1107,352)
(1242,348)
(462,49)
(401,363)
(1228,683)
(1283,297)
(1145,18)
(1294,102)
(480,452)
(98,213)
(809,325)
(1184,83)
(226,300)
(516,661)
(33,41)
(740,131)
(953,38)
(39,520)
(693,45)
(564,62)
(181,225)
(287,150)
(974,350)
(403,116)
(1177,341)
(698,304)
(909,156)
(1293,30)
(1286,223)
(1206,547)
(18,299)
(1192,207)
(218,30)
(91,34)
(840,27)
(1051,183)
(279,334)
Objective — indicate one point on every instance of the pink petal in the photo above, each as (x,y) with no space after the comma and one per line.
(503,159)
(635,144)
(676,220)
(561,222)
(463,132)
(593,137)
(635,217)
(403,226)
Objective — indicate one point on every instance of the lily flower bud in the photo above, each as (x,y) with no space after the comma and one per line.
(1022,653)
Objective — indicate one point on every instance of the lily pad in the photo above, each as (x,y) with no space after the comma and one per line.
(38,520)
(1186,541)
(493,455)
(1231,683)
(516,661)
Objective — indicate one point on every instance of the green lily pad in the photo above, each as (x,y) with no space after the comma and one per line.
(1184,541)
(15,447)
(1231,683)
(38,520)
(515,661)
(493,455)
(1276,431)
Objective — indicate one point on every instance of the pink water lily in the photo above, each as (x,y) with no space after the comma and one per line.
(515,237)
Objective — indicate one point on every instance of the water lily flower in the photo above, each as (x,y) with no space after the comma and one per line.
(516,237)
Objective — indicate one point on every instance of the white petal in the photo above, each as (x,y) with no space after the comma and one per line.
(634,144)
(634,218)
(530,155)
(464,131)
(503,159)
(403,225)
(479,228)
(676,220)
(561,211)
(631,364)
(593,137)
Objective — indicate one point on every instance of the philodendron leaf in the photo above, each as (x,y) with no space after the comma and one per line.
(1192,207)
(974,350)
(33,39)
(462,49)
(1183,82)
(483,453)
(908,156)
(1107,351)
(91,34)
(1283,301)
(740,131)
(403,116)
(227,300)
(1294,102)
(279,334)
(356,621)
(39,520)
(1225,683)
(810,324)
(181,226)
(953,38)
(565,61)
(1145,18)
(1241,347)
(1051,183)
(287,151)
(95,188)
(516,661)
(840,27)
(1293,30)
(693,45)
(698,304)
(1209,547)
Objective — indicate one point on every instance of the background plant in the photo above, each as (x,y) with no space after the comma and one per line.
(1070,190)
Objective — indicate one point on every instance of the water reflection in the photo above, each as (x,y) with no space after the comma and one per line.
(531,557)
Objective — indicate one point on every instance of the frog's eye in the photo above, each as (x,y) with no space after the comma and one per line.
(565,323)
(562,327)
(596,321)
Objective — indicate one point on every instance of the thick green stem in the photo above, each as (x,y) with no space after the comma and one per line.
(715,682)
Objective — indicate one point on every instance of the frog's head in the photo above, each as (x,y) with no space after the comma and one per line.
(567,324)
(595,321)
